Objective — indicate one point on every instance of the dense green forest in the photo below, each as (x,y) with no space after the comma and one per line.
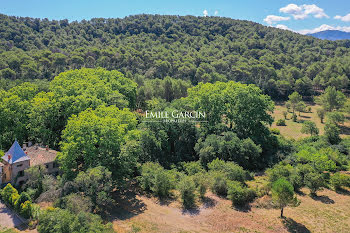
(187,48)
(82,88)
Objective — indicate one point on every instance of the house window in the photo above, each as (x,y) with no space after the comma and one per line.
(54,165)
(47,166)
(21,173)
(20,165)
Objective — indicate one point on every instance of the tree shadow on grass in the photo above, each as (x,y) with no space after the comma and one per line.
(293,226)
(127,204)
(344,129)
(307,117)
(191,211)
(324,199)
(343,191)
(209,202)
(245,208)
(300,193)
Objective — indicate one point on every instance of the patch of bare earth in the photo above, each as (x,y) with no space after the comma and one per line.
(329,212)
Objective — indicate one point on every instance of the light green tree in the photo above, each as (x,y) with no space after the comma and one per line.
(283,194)
(309,127)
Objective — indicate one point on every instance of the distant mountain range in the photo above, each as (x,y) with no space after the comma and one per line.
(331,35)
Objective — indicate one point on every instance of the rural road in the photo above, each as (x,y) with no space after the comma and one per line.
(7,218)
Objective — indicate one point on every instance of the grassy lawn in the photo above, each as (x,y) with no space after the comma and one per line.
(328,212)
(292,129)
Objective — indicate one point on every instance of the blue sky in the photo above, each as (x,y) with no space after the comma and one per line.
(298,15)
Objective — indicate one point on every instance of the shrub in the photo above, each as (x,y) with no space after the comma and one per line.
(76,202)
(314,181)
(97,184)
(238,194)
(336,118)
(321,113)
(218,183)
(22,198)
(36,211)
(279,171)
(192,168)
(231,170)
(201,182)
(275,131)
(7,193)
(296,180)
(285,114)
(55,220)
(309,127)
(187,188)
(154,178)
(332,132)
(339,180)
(26,209)
(13,199)
(281,122)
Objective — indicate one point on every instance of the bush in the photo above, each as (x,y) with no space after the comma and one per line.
(332,132)
(231,170)
(55,220)
(279,171)
(238,194)
(76,202)
(187,188)
(281,122)
(8,193)
(275,131)
(285,114)
(22,198)
(13,199)
(26,209)
(154,178)
(339,180)
(296,180)
(309,127)
(218,183)
(192,168)
(201,182)
(314,181)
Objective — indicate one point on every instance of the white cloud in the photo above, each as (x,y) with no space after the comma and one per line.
(345,18)
(294,10)
(205,13)
(315,11)
(284,27)
(302,11)
(324,27)
(271,19)
(216,12)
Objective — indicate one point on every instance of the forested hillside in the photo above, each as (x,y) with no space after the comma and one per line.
(85,88)
(192,49)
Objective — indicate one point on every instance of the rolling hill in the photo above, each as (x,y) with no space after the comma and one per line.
(331,35)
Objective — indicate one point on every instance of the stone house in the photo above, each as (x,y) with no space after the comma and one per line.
(17,160)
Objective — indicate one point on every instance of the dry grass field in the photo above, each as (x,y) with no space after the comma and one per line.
(292,129)
(329,212)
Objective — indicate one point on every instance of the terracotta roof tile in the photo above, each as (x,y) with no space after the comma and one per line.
(40,156)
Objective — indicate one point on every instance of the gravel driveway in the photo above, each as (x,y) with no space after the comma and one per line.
(8,219)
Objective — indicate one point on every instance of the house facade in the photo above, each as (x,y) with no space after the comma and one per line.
(17,160)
